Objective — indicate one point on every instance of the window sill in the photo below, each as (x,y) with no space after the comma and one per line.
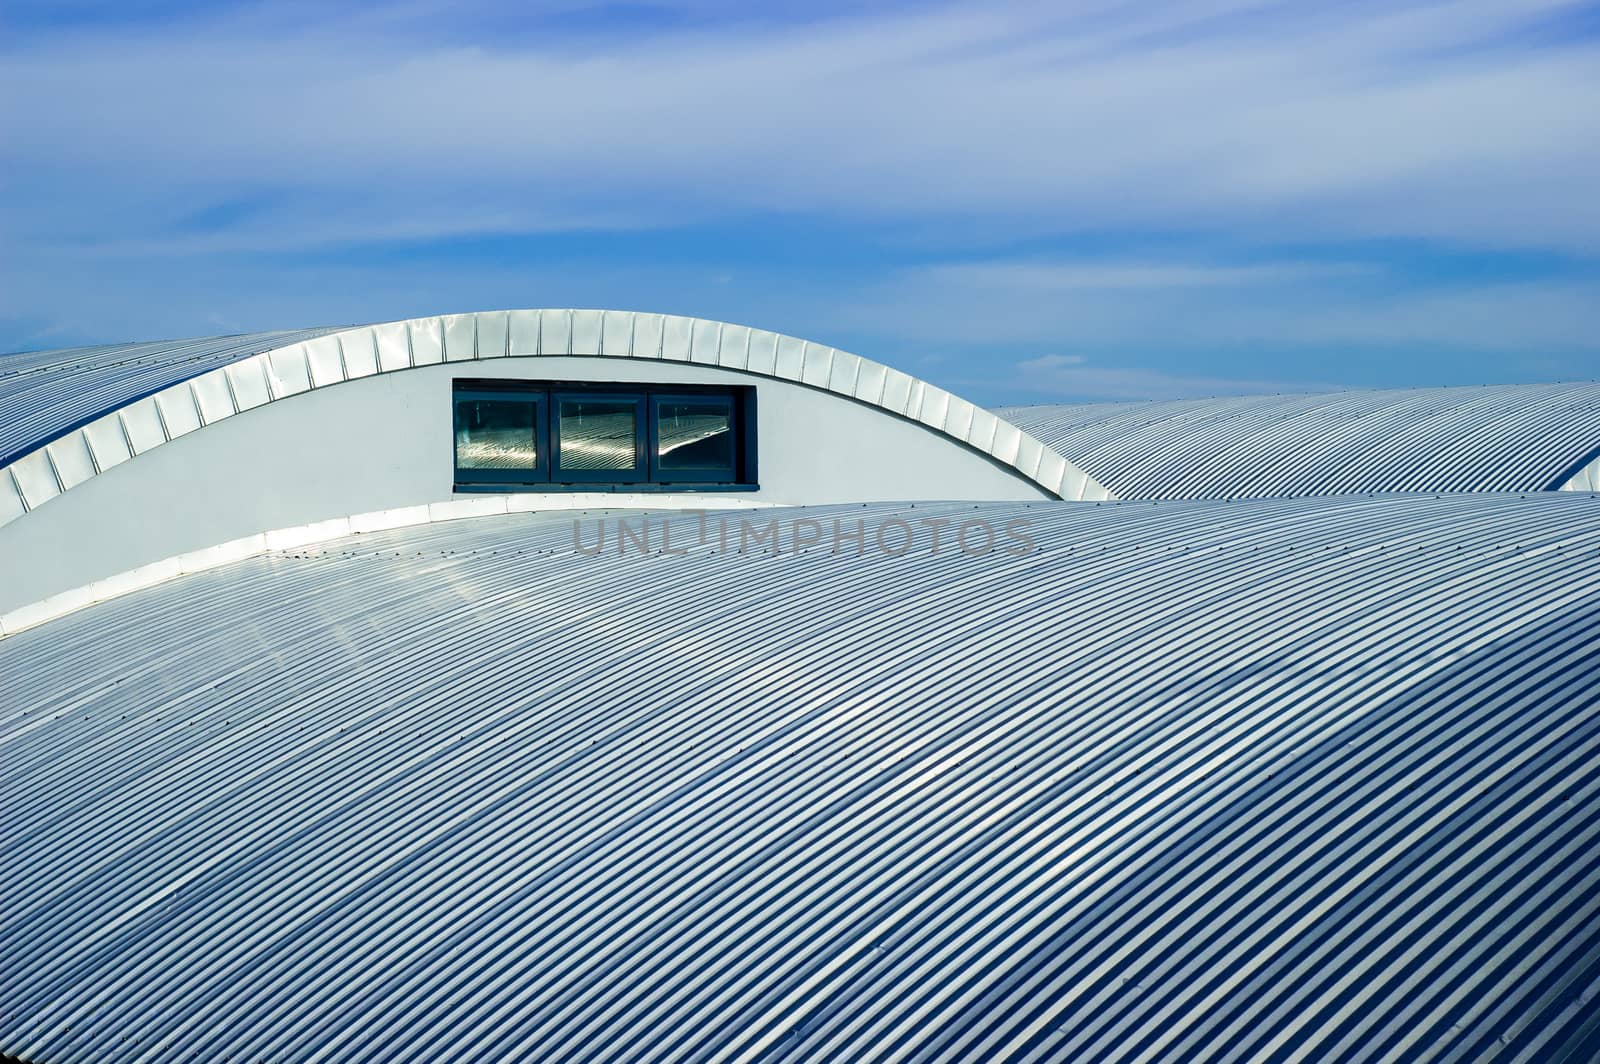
(641,488)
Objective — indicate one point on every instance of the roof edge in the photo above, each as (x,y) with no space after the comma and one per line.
(41,611)
(366,350)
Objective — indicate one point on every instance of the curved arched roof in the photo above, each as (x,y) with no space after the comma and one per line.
(46,394)
(1177,785)
(1535,437)
(73,414)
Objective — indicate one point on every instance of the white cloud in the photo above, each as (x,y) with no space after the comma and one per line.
(1191,305)
(1070,378)
(1223,128)
(1278,120)
(1061,277)
(1050,363)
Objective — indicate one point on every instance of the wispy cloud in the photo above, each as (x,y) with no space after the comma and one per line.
(1188,305)
(1223,194)
(1071,378)
(1373,119)
(1101,275)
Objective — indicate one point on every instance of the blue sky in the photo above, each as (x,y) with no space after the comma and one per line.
(1020,201)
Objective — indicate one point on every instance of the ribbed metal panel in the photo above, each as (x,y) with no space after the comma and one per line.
(1505,438)
(46,394)
(1310,779)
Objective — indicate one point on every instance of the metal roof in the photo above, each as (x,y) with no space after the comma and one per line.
(144,400)
(1498,438)
(1311,778)
(46,394)
(1534,437)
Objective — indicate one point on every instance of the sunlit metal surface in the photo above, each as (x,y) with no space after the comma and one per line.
(1586,476)
(45,394)
(495,449)
(1536,437)
(495,434)
(1309,779)
(198,561)
(597,435)
(688,439)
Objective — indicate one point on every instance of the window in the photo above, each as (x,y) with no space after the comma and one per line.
(693,438)
(498,436)
(598,437)
(572,436)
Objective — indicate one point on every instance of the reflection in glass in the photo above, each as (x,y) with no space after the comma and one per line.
(598,434)
(495,434)
(694,434)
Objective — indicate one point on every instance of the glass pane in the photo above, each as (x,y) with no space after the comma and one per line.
(599,434)
(495,434)
(694,434)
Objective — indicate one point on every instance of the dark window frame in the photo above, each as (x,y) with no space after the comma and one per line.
(540,472)
(641,468)
(707,474)
(548,475)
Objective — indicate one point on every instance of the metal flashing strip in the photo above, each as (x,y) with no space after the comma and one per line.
(1584,478)
(335,357)
(196,561)
(46,395)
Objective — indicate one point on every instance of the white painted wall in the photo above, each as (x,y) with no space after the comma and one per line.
(1585,479)
(384,442)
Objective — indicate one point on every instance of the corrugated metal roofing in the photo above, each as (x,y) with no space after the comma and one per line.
(1311,778)
(46,394)
(1503,438)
